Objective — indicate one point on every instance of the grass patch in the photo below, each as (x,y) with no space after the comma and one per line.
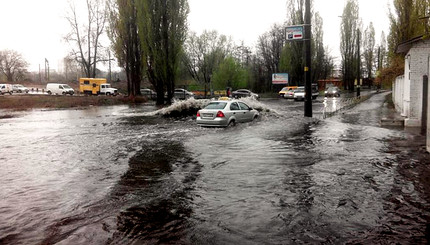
(24,102)
(6,116)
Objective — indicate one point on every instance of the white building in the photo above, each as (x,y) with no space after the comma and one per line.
(409,95)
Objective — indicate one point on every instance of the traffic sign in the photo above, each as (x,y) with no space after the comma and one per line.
(294,32)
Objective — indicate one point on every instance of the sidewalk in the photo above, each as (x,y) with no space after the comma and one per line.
(407,203)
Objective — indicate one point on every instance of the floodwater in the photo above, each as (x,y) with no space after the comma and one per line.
(121,175)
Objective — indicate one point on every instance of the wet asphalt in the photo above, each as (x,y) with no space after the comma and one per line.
(122,175)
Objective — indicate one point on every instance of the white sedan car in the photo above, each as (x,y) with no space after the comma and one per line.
(299,93)
(222,113)
(18,88)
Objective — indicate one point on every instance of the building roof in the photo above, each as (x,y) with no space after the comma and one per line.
(404,47)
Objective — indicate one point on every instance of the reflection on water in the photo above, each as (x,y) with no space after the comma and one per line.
(118,175)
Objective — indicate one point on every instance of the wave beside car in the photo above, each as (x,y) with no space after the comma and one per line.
(222,113)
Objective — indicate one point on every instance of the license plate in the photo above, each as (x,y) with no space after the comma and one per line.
(207,115)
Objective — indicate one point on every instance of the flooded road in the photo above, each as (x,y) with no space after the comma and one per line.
(119,175)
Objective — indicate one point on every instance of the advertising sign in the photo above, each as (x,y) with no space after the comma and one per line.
(280,78)
(294,33)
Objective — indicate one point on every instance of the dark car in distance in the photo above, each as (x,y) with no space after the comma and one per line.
(182,94)
(244,93)
(332,92)
(149,93)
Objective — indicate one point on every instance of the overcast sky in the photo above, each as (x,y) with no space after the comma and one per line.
(36,28)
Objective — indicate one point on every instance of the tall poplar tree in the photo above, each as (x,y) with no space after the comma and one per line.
(123,33)
(369,49)
(162,30)
(349,30)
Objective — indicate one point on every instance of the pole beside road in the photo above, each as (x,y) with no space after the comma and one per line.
(307,70)
(358,63)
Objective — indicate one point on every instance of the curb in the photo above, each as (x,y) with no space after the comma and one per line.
(346,104)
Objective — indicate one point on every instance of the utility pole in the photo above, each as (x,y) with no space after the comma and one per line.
(40,76)
(46,70)
(358,62)
(308,82)
(110,69)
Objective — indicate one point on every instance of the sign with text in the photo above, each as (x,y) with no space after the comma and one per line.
(294,33)
(280,78)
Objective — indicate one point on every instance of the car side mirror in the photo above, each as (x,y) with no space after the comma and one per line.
(250,109)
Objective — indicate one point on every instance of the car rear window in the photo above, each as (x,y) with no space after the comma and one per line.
(216,105)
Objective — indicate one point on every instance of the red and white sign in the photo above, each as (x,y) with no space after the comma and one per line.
(294,32)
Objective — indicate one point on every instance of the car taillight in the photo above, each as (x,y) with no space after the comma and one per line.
(220,114)
(198,114)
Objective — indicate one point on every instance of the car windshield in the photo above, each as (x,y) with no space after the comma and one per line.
(66,86)
(331,89)
(284,89)
(216,105)
(299,90)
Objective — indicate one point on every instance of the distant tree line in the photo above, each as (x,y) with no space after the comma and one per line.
(12,65)
(151,42)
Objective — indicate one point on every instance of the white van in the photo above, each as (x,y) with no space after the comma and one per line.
(58,89)
(6,88)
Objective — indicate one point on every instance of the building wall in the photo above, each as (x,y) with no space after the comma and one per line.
(418,68)
(428,119)
(428,113)
(398,94)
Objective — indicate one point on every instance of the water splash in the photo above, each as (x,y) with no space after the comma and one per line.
(258,105)
(189,107)
(180,108)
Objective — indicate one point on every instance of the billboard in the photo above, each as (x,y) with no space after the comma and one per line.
(280,78)
(294,33)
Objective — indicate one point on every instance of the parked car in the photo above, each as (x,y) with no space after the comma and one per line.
(285,90)
(59,89)
(6,88)
(289,94)
(18,88)
(299,93)
(222,113)
(182,94)
(244,93)
(149,93)
(332,92)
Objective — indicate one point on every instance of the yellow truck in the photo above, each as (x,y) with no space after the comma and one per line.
(96,86)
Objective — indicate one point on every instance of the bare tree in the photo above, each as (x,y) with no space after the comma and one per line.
(12,65)
(72,69)
(85,38)
(269,49)
(204,53)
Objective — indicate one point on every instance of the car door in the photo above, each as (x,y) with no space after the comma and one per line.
(245,112)
(235,111)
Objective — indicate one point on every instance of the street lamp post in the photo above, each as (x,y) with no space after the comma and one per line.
(358,63)
(308,82)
